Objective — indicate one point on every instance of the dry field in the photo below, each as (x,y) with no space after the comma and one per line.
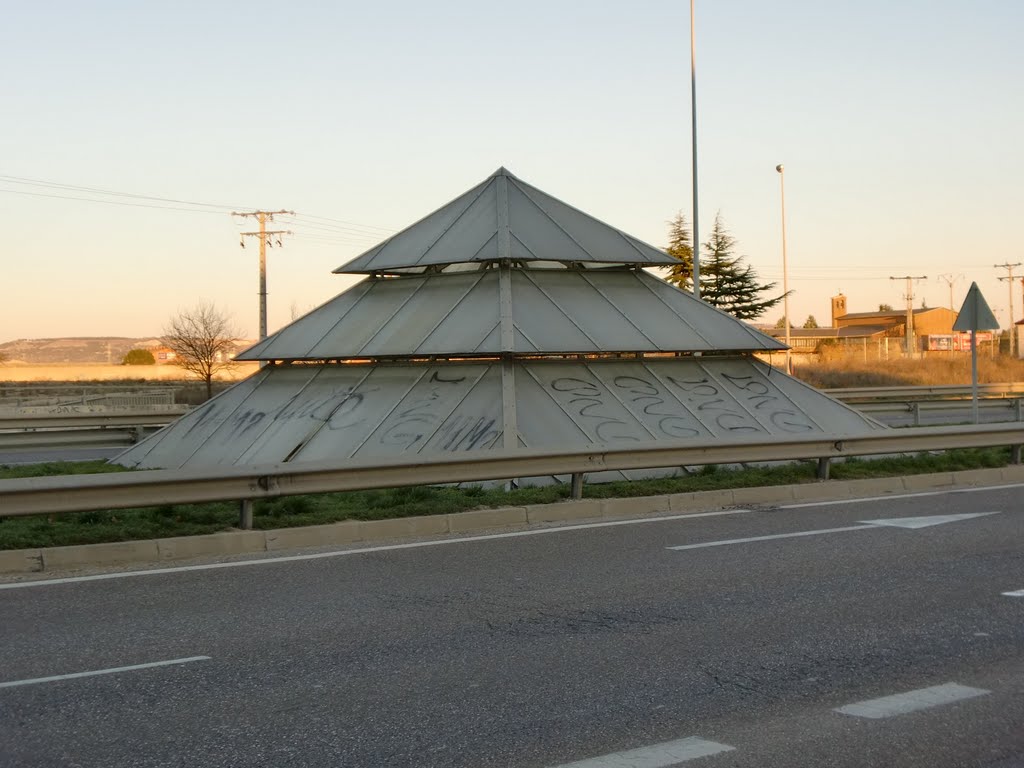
(935,370)
(59,372)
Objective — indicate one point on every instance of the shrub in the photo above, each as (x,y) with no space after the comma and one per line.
(139,357)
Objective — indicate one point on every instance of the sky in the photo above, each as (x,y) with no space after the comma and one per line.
(899,125)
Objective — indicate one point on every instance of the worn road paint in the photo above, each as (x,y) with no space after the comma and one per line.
(895,522)
(1016,593)
(927,520)
(110,671)
(911,701)
(655,756)
(364,550)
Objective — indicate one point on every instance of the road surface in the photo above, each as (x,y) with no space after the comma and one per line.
(844,634)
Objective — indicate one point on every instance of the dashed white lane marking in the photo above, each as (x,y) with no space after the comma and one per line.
(656,755)
(365,550)
(891,496)
(773,536)
(1015,593)
(911,701)
(109,671)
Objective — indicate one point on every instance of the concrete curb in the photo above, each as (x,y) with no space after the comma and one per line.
(147,552)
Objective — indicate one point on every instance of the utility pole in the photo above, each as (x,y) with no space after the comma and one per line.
(1009,280)
(949,278)
(265,236)
(909,296)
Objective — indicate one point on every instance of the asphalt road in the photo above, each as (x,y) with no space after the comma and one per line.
(599,646)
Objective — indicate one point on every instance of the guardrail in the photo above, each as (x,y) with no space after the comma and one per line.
(942,391)
(46,495)
(96,429)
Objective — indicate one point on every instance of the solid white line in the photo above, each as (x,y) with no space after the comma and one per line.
(914,495)
(774,536)
(911,701)
(110,671)
(655,756)
(1016,593)
(364,550)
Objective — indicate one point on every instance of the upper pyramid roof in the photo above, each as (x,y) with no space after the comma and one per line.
(505,218)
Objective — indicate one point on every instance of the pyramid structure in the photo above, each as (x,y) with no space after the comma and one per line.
(504,319)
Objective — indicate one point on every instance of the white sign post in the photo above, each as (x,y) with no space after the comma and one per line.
(975,315)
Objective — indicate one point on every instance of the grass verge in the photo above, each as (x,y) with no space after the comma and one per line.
(291,511)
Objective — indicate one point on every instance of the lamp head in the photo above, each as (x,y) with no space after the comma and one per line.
(780,167)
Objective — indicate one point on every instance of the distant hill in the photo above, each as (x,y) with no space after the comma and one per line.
(78,349)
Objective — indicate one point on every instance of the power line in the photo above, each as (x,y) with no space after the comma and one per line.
(114,193)
(108,202)
(349,223)
(324,222)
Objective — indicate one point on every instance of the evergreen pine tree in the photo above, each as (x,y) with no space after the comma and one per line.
(726,283)
(679,247)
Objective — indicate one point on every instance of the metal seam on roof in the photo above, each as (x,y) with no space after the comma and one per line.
(315,430)
(644,277)
(616,307)
(620,401)
(405,302)
(553,219)
(556,305)
(476,282)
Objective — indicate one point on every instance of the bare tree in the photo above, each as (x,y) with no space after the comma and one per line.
(203,341)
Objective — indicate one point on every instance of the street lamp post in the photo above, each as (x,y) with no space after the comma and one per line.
(785,270)
(693,146)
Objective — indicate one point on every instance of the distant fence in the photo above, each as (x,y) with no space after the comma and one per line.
(115,395)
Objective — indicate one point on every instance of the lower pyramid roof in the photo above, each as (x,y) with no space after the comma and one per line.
(304,412)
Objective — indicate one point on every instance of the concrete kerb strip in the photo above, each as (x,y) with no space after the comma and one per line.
(358,531)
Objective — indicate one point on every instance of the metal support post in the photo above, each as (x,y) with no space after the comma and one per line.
(245,514)
(1018,410)
(917,414)
(824,465)
(577,485)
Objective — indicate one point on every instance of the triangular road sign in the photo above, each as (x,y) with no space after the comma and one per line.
(924,522)
(975,314)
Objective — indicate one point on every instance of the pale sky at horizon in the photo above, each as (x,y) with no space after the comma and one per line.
(897,122)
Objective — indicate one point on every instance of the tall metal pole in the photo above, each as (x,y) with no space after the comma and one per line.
(785,269)
(693,134)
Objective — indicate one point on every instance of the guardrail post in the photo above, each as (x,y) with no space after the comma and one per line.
(140,432)
(577,485)
(917,414)
(245,514)
(1018,411)
(1015,454)
(824,464)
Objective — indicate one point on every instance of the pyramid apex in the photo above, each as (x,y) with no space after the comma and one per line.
(503,171)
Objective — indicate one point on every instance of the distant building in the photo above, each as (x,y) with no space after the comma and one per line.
(933,330)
